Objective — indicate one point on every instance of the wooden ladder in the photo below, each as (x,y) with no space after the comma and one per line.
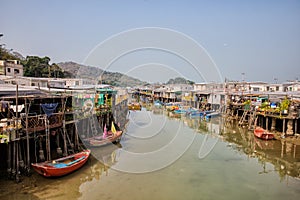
(252,121)
(243,118)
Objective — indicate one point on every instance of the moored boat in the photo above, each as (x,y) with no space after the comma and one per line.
(99,141)
(263,134)
(212,115)
(108,137)
(134,106)
(62,166)
(172,106)
(197,113)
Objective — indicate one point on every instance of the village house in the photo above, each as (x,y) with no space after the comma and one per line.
(11,68)
(210,95)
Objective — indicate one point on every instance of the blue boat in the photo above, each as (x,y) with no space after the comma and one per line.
(212,115)
(183,110)
(158,104)
(198,113)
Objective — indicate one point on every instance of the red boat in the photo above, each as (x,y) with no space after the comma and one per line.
(263,134)
(62,166)
(99,141)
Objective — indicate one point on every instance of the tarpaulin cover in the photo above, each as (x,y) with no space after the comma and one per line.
(49,108)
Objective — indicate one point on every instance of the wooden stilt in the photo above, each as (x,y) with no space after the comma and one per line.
(65,139)
(267,123)
(296,126)
(48,148)
(283,128)
(76,137)
(14,159)
(273,125)
(17,134)
(9,170)
(27,137)
(282,148)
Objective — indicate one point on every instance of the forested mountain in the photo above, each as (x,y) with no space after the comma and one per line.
(75,70)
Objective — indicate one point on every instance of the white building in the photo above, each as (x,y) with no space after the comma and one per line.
(11,68)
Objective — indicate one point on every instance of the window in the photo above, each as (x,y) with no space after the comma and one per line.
(16,71)
(8,70)
(76,82)
(277,88)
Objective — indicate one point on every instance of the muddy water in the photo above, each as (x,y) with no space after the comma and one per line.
(166,156)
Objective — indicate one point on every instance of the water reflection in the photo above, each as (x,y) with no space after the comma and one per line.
(68,187)
(102,159)
(284,156)
(238,160)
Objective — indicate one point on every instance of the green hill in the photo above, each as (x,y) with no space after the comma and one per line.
(75,70)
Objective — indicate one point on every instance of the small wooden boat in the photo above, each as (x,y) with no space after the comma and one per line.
(134,106)
(99,141)
(62,166)
(197,113)
(212,115)
(263,134)
(108,137)
(185,110)
(172,106)
(158,104)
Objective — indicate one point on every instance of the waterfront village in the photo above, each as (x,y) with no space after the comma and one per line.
(46,122)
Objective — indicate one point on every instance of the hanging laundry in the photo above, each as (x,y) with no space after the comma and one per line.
(14,107)
(49,108)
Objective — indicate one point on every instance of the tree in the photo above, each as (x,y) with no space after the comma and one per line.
(35,66)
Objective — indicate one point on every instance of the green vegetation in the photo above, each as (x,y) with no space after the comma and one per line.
(72,70)
(35,66)
(180,80)
(6,55)
(284,105)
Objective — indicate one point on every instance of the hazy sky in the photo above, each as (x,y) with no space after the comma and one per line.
(258,38)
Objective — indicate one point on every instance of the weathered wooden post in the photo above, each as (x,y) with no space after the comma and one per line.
(9,170)
(17,134)
(296,126)
(64,129)
(282,148)
(64,138)
(283,128)
(48,148)
(273,125)
(27,137)
(289,130)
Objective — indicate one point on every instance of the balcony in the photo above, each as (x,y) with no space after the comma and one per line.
(37,122)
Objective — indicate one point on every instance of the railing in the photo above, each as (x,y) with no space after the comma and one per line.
(37,122)
(187,98)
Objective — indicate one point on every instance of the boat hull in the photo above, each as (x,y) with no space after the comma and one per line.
(60,167)
(263,134)
(136,106)
(98,142)
(212,115)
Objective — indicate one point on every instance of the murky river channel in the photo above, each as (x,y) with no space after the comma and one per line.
(167,156)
